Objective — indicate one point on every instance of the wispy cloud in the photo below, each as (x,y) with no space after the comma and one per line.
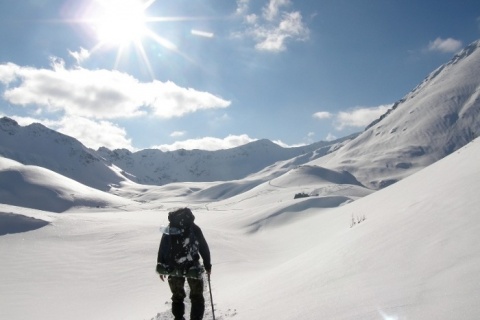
(200,33)
(80,56)
(322,115)
(208,143)
(448,45)
(177,134)
(272,10)
(100,94)
(286,145)
(358,117)
(330,137)
(242,7)
(274,27)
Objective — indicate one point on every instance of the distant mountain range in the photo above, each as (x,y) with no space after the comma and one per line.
(439,116)
(40,146)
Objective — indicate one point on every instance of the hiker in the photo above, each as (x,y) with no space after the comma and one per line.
(179,253)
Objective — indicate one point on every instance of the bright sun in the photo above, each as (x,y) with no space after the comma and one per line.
(120,23)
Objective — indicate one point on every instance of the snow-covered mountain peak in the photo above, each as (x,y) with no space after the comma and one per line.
(8,125)
(436,118)
(465,64)
(468,50)
(38,145)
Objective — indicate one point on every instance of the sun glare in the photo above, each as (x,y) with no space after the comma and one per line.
(119,23)
(123,24)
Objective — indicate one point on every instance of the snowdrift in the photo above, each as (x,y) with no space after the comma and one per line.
(42,189)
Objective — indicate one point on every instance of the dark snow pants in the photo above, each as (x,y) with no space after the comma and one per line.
(178,295)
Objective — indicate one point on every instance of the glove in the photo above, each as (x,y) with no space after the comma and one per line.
(163,269)
(208,268)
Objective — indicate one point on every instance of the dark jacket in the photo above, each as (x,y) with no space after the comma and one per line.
(203,249)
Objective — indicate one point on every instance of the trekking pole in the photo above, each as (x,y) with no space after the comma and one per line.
(211,298)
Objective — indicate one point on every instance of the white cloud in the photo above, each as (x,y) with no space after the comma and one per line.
(322,115)
(92,134)
(95,134)
(242,7)
(274,27)
(25,121)
(200,33)
(271,11)
(177,134)
(285,145)
(80,56)
(208,143)
(8,72)
(251,18)
(445,45)
(169,100)
(100,94)
(273,39)
(359,117)
(330,137)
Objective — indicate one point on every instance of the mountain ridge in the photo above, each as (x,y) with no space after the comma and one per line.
(437,117)
(38,145)
(103,169)
(155,167)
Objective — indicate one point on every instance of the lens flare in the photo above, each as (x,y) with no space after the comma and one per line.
(123,25)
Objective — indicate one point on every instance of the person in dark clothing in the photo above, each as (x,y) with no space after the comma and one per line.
(179,258)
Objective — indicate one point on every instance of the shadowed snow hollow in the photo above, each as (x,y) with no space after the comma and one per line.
(17,223)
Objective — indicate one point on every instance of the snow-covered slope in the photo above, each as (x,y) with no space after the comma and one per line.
(155,167)
(39,146)
(413,257)
(40,188)
(102,169)
(408,251)
(438,117)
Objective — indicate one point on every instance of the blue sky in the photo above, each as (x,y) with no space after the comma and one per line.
(211,74)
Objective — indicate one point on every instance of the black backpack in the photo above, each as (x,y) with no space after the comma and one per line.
(181,218)
(183,250)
